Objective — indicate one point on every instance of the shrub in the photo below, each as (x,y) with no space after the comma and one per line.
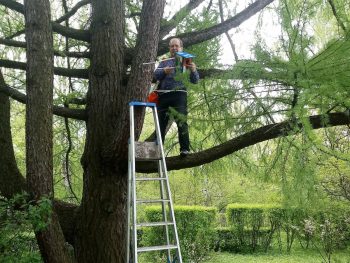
(17,239)
(253,225)
(195,227)
(228,240)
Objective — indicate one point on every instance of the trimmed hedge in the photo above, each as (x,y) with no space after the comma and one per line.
(195,226)
(252,226)
(227,239)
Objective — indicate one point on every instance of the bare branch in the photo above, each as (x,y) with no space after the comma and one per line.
(233,48)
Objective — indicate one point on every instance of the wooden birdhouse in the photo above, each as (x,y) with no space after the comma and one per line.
(183,60)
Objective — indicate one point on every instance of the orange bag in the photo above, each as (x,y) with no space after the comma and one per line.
(153,97)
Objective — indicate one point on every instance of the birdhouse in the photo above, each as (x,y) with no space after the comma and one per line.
(183,60)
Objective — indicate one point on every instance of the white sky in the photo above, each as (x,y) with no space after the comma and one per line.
(244,36)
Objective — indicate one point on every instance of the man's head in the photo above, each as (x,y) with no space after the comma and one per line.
(175,45)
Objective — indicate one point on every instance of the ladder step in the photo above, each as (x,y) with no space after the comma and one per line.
(151,224)
(150,179)
(147,151)
(156,248)
(152,201)
(147,160)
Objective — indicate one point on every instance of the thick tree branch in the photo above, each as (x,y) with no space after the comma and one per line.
(169,25)
(193,38)
(77,34)
(64,31)
(12,43)
(262,134)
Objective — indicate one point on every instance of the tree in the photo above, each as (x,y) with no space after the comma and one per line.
(96,228)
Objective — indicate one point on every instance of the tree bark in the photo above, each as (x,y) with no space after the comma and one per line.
(101,230)
(39,123)
(101,219)
(10,176)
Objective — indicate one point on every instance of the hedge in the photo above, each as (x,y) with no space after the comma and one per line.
(195,226)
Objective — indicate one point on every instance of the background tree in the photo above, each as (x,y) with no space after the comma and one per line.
(106,53)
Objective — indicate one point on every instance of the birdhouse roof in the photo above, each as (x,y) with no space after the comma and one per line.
(185,54)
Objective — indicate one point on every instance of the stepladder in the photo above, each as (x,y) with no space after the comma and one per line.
(149,191)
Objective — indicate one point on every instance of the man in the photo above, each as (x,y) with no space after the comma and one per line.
(173,94)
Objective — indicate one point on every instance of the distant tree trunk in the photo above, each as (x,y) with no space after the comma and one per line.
(13,180)
(39,123)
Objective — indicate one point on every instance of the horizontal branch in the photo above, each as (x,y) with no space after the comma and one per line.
(64,31)
(261,134)
(77,34)
(74,73)
(77,114)
(22,44)
(196,37)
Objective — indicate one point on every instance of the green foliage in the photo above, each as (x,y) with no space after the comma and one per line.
(195,227)
(252,225)
(17,220)
(248,215)
(245,241)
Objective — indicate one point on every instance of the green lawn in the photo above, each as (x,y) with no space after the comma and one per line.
(297,256)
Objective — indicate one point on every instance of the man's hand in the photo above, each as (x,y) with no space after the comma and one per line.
(192,67)
(168,70)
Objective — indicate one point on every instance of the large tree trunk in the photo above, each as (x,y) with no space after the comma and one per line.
(101,224)
(39,123)
(101,230)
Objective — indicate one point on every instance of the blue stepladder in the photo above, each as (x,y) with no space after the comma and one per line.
(153,152)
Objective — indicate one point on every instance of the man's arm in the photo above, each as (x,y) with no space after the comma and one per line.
(194,76)
(159,73)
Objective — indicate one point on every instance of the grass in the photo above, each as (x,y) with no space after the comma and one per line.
(296,256)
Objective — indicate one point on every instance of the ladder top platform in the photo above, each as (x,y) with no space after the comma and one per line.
(141,103)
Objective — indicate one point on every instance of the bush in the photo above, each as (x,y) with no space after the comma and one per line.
(228,240)
(17,239)
(195,227)
(253,225)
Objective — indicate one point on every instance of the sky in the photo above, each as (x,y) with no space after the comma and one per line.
(243,36)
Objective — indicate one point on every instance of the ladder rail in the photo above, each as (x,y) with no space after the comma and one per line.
(161,174)
(128,208)
(164,168)
(165,218)
(165,193)
(133,172)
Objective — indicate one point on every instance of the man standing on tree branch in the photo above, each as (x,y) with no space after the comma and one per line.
(173,95)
